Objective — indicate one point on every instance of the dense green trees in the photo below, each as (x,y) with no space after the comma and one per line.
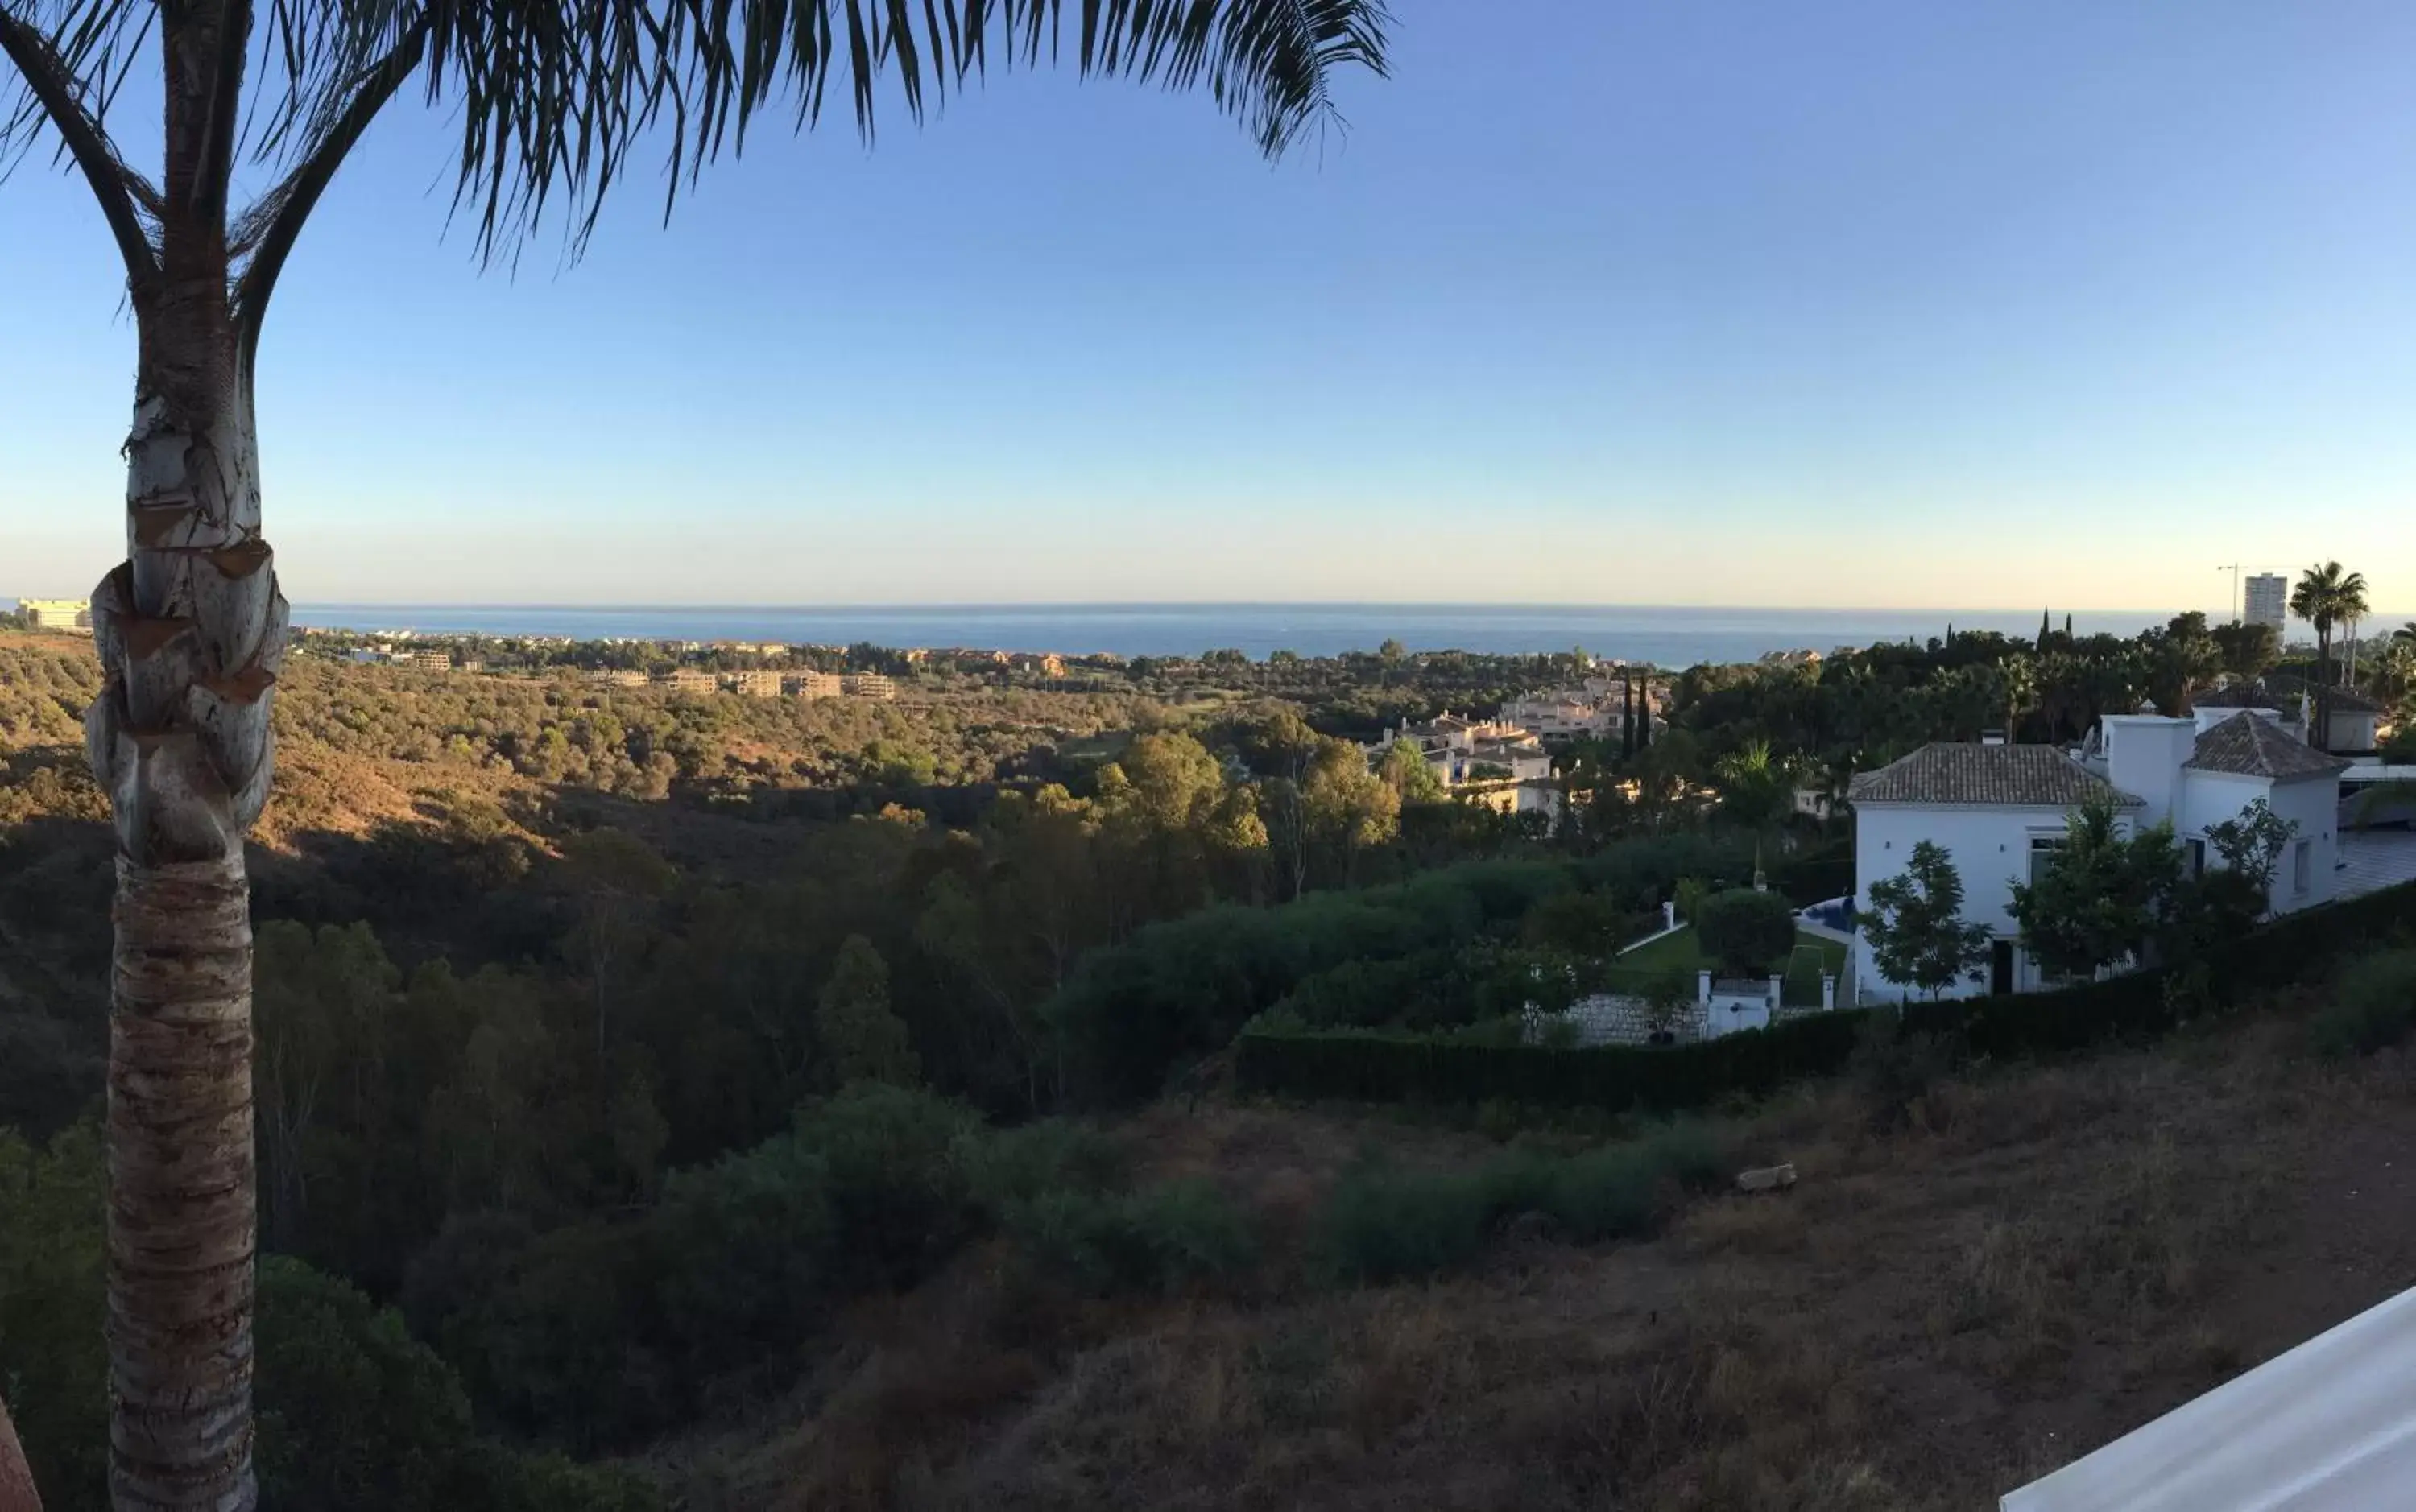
(1859,710)
(864,1040)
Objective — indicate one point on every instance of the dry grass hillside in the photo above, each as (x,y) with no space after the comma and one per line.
(2033,1260)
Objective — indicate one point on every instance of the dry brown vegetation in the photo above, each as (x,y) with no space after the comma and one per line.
(2039,1259)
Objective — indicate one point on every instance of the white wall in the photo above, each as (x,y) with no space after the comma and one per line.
(2354,729)
(2313,803)
(1991,850)
(2314,806)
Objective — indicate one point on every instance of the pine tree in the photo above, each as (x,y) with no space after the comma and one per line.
(864,1039)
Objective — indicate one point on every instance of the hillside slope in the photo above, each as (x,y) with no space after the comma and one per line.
(2036,1259)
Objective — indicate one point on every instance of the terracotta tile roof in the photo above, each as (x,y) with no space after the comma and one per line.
(1989,777)
(2248,746)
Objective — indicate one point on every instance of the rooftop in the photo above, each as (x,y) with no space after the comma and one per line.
(1992,776)
(2343,701)
(2252,747)
(2238,696)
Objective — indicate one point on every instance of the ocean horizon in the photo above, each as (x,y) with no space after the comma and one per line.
(1662,636)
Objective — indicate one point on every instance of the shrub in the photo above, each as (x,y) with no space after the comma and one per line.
(1010,1166)
(899,1201)
(1893,1067)
(1745,931)
(1383,1224)
(1160,1238)
(744,1252)
(2372,1008)
(353,1411)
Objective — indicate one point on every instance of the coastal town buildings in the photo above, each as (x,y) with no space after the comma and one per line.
(72,615)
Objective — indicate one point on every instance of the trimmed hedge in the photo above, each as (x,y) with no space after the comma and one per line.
(1394,1067)
(1379,1067)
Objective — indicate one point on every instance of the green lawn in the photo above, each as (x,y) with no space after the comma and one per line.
(1811,956)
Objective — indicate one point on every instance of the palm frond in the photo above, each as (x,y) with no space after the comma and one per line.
(554,97)
(68,59)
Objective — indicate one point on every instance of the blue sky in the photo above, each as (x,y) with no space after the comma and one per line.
(1841,302)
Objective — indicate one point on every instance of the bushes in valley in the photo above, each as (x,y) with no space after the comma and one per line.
(1157,1238)
(355,1415)
(596,1333)
(1383,1223)
(2372,1007)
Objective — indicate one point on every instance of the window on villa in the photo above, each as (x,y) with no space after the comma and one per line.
(2303,857)
(2043,848)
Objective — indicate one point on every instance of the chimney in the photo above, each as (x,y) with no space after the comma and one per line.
(2144,754)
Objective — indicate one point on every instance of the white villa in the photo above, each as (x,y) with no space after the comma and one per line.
(2000,812)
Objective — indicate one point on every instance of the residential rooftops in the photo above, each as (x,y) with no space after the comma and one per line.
(2238,696)
(2248,746)
(1991,776)
(2343,701)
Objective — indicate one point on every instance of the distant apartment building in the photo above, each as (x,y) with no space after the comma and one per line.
(73,615)
(621,677)
(692,680)
(2269,600)
(1465,751)
(756,684)
(427,661)
(811,685)
(868,685)
(1560,715)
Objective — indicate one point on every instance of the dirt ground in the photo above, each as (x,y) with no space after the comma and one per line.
(2039,1260)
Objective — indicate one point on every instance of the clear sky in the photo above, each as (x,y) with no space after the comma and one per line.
(1828,301)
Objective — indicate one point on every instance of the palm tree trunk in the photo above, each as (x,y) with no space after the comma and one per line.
(190,629)
(2321,736)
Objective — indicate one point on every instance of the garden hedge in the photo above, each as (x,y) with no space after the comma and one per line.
(1375,1066)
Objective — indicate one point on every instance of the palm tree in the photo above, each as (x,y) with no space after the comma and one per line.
(1756,792)
(2324,596)
(2020,675)
(551,100)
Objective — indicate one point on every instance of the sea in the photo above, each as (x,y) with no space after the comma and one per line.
(1662,637)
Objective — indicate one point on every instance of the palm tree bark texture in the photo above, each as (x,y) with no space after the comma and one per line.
(190,627)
